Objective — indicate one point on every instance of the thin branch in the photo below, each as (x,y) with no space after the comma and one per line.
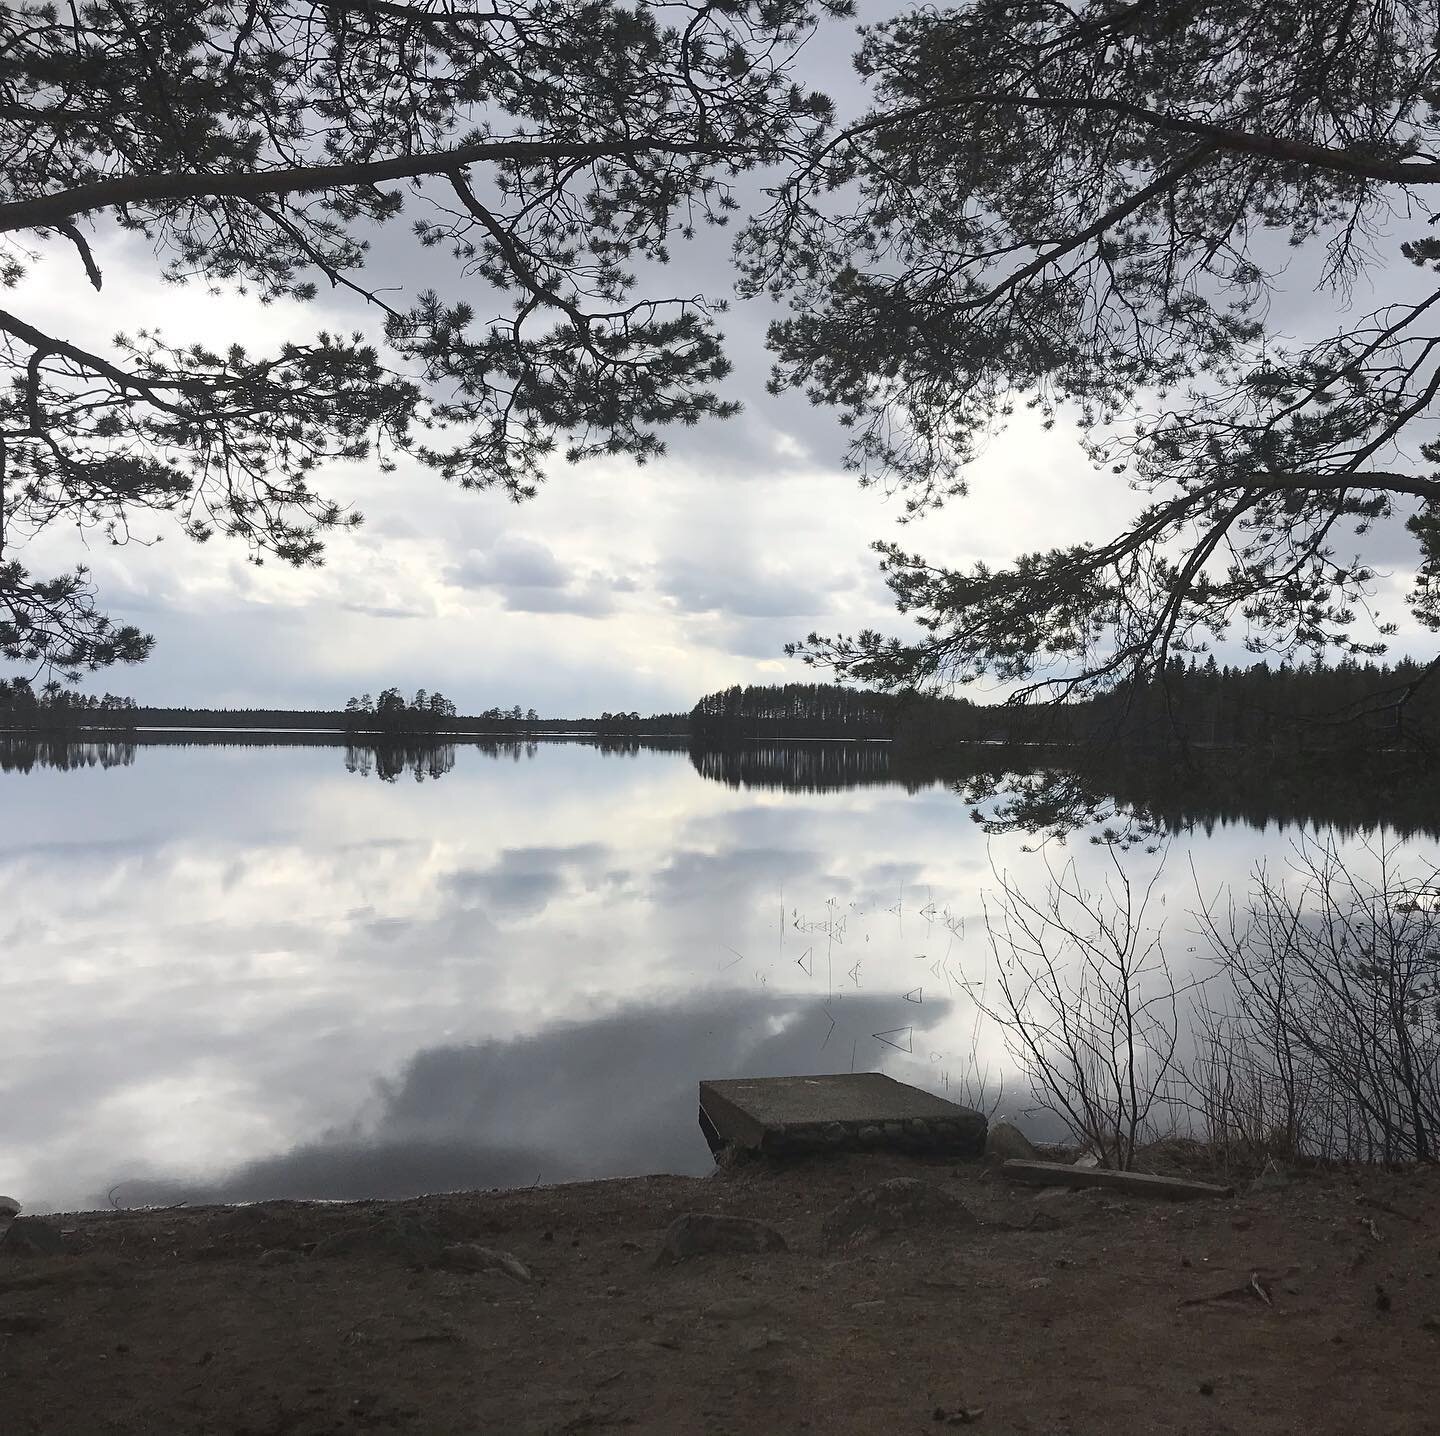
(1159,185)
(92,270)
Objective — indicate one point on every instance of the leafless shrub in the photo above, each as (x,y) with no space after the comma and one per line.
(1087,1003)
(976,1086)
(1247,1105)
(1329,1042)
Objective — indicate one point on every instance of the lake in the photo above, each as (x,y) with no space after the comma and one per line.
(244,969)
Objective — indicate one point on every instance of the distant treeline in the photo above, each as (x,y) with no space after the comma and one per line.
(426,713)
(1297,709)
(21,705)
(56,709)
(810,710)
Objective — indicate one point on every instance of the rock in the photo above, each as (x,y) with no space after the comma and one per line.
(470,1256)
(1004,1140)
(696,1233)
(402,1237)
(9,1207)
(892,1206)
(29,1236)
(960,1416)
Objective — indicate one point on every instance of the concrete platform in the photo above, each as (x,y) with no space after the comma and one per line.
(837,1112)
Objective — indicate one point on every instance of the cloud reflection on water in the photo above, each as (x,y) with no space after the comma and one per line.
(601,1098)
(213,955)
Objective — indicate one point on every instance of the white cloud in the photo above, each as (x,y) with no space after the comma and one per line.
(515,561)
(615,587)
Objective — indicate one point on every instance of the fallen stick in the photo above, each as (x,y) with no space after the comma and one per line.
(1138,1184)
(1385,1207)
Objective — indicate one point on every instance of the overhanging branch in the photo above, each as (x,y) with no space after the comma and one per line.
(53,209)
(1353,162)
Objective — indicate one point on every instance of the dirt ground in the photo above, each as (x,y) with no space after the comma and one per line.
(1059,1315)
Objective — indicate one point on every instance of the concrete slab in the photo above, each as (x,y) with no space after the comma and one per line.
(837,1111)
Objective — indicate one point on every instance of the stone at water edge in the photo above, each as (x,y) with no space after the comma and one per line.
(9,1207)
(696,1233)
(1004,1140)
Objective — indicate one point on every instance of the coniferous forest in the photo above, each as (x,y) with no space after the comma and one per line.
(1286,707)
(1280,709)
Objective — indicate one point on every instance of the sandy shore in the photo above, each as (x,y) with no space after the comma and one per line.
(1305,1305)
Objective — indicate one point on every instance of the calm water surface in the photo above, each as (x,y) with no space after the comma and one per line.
(247,972)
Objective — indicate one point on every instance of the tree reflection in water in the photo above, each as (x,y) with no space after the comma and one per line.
(22,754)
(1022,788)
(391,761)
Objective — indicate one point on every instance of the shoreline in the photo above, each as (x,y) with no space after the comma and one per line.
(552,1309)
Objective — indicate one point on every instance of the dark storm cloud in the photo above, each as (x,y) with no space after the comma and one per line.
(607,1097)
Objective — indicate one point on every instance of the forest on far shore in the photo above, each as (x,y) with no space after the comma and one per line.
(1303,708)
(1202,705)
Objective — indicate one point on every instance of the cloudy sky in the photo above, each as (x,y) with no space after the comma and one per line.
(618,587)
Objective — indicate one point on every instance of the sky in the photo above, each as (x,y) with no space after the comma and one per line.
(616,588)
